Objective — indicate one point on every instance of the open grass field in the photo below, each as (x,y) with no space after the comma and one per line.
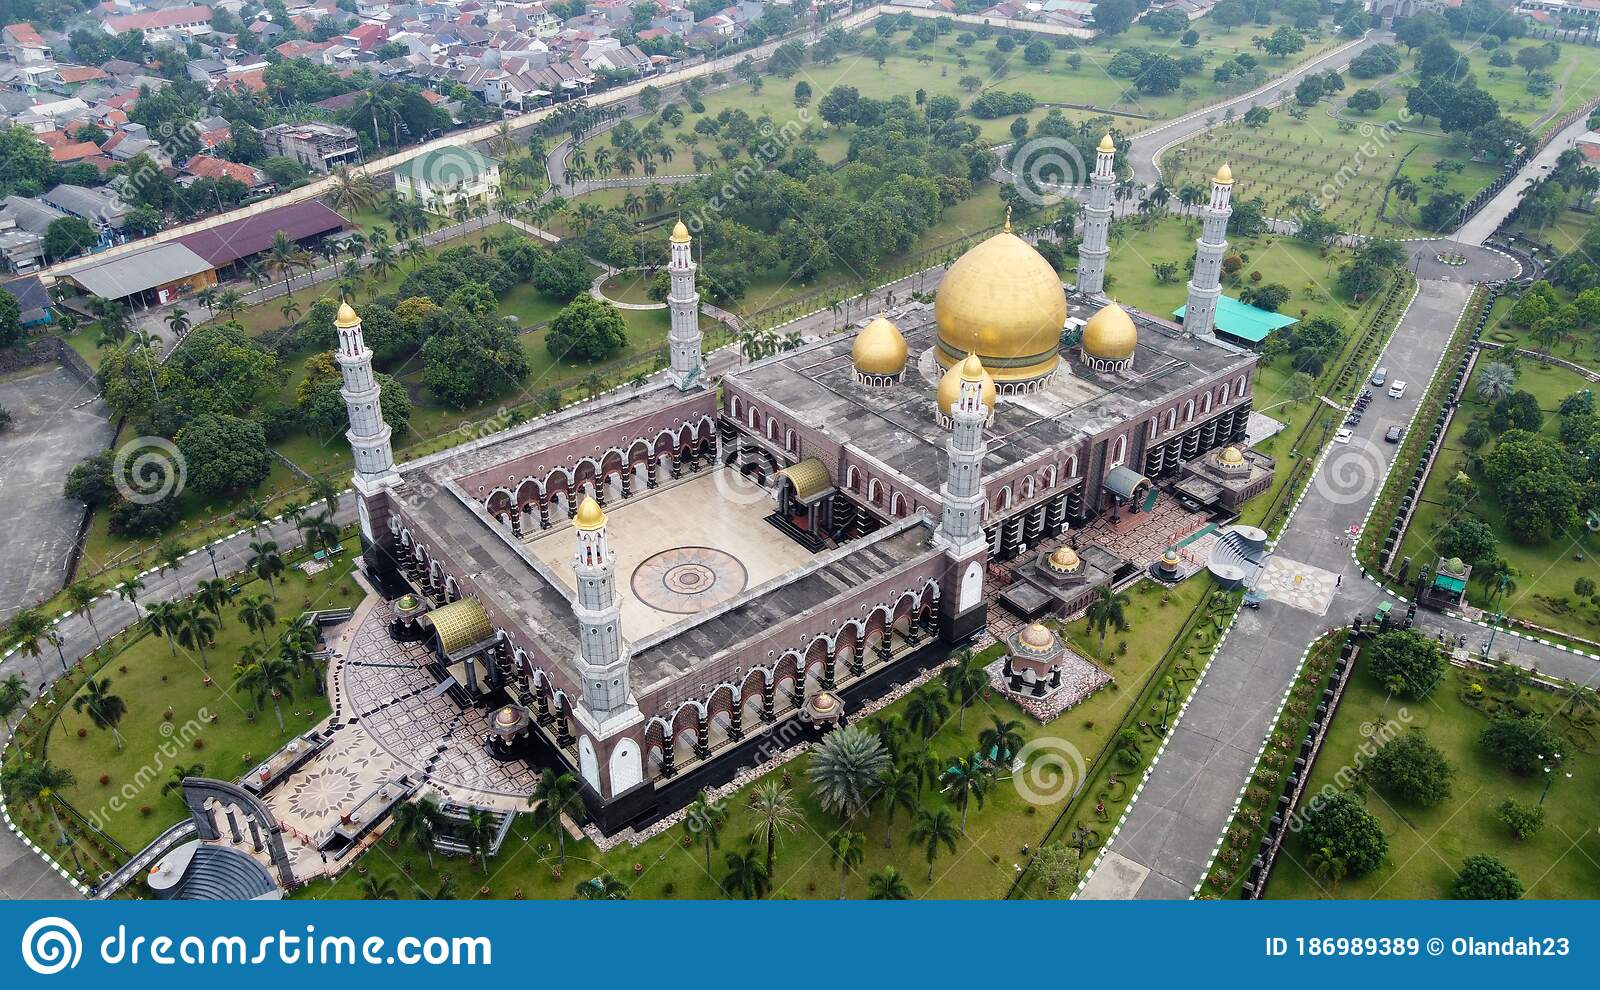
(154,680)
(1544,574)
(1428,845)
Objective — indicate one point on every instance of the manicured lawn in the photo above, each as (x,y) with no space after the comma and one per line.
(1428,845)
(1544,574)
(153,681)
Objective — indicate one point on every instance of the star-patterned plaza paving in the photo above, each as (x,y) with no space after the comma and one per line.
(1297,584)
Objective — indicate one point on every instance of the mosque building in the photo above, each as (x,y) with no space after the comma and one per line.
(676,581)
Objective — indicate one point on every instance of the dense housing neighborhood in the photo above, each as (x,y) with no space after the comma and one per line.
(617,449)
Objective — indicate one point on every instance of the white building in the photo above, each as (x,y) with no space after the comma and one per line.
(440,178)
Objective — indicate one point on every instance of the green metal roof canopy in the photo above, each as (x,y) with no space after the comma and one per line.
(1244,321)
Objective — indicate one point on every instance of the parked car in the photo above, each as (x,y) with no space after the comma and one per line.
(1392,435)
(1397,390)
(1343,436)
(1380,376)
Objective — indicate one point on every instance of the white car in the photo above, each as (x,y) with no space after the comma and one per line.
(1343,436)
(1397,390)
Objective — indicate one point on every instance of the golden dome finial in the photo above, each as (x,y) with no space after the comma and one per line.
(879,349)
(347,317)
(589,517)
(1110,334)
(1008,220)
(1107,146)
(972,369)
(1224,176)
(680,233)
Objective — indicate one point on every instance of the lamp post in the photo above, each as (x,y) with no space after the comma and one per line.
(1549,774)
(211,551)
(1498,613)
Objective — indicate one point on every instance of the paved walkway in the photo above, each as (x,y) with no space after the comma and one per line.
(1165,842)
(1487,220)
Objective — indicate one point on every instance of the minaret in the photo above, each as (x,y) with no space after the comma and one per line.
(683,338)
(1096,244)
(368,433)
(602,659)
(960,524)
(1200,313)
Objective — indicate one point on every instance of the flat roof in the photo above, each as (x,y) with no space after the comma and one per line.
(1243,320)
(226,243)
(147,269)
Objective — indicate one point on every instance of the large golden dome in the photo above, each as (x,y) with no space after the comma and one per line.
(1110,334)
(879,349)
(950,386)
(1002,301)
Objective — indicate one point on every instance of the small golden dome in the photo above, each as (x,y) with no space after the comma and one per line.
(823,702)
(1170,558)
(589,517)
(1003,302)
(1231,456)
(1224,176)
(1107,146)
(347,317)
(1038,637)
(1065,559)
(950,386)
(972,369)
(680,233)
(1110,334)
(879,349)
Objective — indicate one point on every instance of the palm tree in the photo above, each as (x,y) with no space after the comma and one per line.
(746,875)
(289,308)
(417,823)
(775,813)
(129,592)
(934,828)
(1003,738)
(196,628)
(266,563)
(967,778)
(105,709)
(180,773)
(1329,865)
(847,849)
(964,682)
(264,678)
(352,191)
(213,594)
(230,303)
(165,618)
(379,888)
(1108,609)
(892,732)
(888,885)
(82,595)
(899,787)
(554,791)
(924,764)
(705,817)
(284,256)
(604,887)
(207,297)
(36,781)
(257,614)
(13,692)
(1496,381)
(480,836)
(27,628)
(925,709)
(845,767)
(178,322)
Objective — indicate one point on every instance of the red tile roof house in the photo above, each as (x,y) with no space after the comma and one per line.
(74,151)
(367,36)
(207,167)
(191,19)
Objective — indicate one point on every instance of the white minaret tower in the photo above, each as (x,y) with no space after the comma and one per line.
(961,522)
(1096,244)
(368,433)
(602,660)
(1205,286)
(683,338)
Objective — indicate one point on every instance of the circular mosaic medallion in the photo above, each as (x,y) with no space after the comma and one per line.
(688,579)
